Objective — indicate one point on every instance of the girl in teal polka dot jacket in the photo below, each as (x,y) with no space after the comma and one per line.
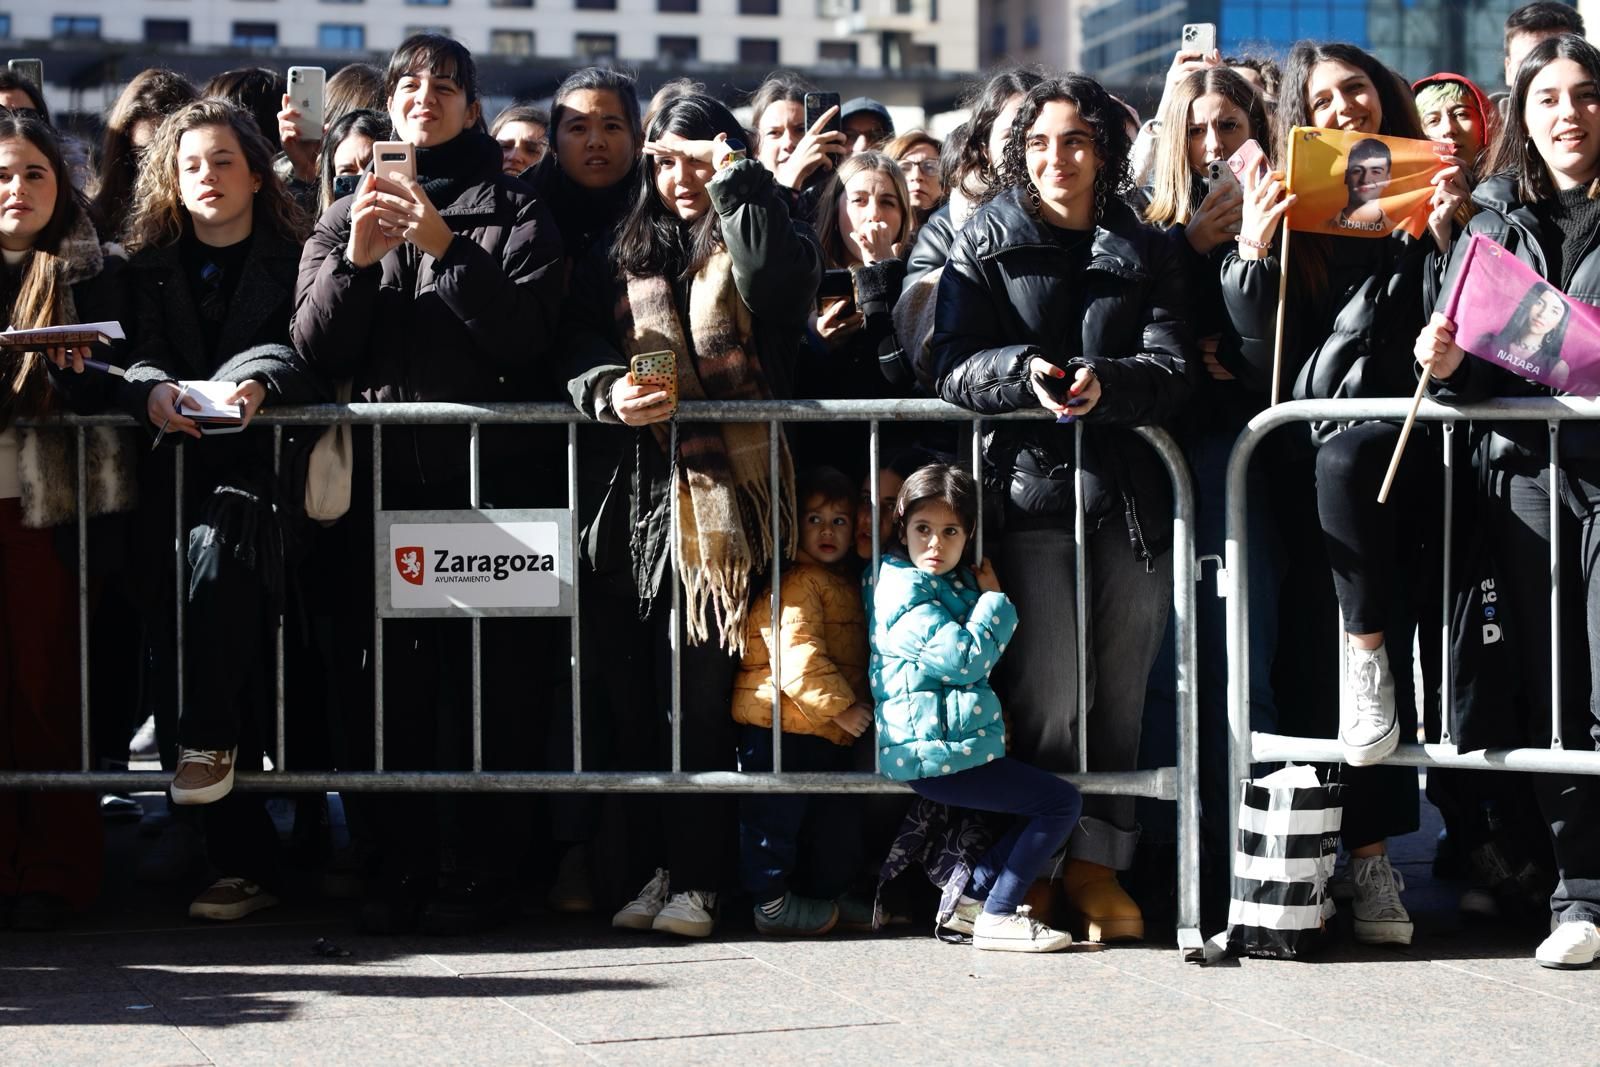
(939,626)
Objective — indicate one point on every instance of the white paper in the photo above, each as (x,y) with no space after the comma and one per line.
(213,399)
(1294,776)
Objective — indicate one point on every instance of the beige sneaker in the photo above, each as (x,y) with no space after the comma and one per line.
(204,776)
(230,898)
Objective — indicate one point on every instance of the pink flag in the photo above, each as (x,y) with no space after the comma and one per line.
(1507,315)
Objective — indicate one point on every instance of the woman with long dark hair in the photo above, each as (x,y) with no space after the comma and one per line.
(1354,309)
(54,271)
(1534,334)
(1540,202)
(131,125)
(215,238)
(1057,296)
(707,265)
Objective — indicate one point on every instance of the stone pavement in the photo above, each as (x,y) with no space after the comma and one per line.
(139,988)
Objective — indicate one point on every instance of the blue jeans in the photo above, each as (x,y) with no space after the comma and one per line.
(812,839)
(1050,808)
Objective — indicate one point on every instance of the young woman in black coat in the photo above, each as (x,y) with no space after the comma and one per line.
(1540,203)
(215,239)
(1056,295)
(1354,307)
(445,288)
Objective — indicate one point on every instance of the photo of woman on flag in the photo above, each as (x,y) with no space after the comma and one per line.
(1532,338)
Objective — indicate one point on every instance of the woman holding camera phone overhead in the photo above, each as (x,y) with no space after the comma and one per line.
(443,287)
(710,276)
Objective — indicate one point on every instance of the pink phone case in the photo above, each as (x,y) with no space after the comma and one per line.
(1248,158)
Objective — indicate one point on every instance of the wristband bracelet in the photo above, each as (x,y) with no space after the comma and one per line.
(1251,242)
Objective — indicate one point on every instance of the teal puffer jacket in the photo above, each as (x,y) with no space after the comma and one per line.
(935,638)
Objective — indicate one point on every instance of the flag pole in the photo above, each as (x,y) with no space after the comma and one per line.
(1405,435)
(1283,279)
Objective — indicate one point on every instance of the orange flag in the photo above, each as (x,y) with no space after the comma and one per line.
(1359,184)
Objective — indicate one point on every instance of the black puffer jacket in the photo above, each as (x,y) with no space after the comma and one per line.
(475,325)
(1008,294)
(1354,338)
(1504,218)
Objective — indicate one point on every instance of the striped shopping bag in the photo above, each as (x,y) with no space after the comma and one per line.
(1288,842)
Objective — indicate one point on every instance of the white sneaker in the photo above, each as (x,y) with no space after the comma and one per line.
(966,914)
(1571,946)
(229,899)
(640,912)
(1368,729)
(690,914)
(1017,932)
(1380,917)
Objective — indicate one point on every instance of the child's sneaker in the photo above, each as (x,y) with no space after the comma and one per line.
(966,914)
(230,898)
(799,916)
(640,912)
(1017,932)
(690,914)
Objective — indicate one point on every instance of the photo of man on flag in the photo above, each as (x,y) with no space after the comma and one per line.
(1361,185)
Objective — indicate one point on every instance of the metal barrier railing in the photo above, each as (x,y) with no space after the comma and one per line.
(1178,783)
(1246,747)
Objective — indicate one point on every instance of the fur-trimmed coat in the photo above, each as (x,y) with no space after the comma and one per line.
(47,457)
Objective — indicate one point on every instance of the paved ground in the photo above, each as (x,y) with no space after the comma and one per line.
(138,988)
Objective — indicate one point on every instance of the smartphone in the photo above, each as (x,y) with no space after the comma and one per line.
(1198,37)
(836,285)
(658,369)
(345,185)
(31,69)
(1219,172)
(390,158)
(306,86)
(816,104)
(1249,159)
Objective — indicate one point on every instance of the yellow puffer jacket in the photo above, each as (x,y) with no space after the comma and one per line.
(824,664)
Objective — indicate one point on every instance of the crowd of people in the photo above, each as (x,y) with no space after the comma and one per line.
(1052,252)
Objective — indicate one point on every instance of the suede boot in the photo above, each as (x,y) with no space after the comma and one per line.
(1098,907)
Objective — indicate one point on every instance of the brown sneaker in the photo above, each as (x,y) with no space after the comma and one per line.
(230,898)
(204,775)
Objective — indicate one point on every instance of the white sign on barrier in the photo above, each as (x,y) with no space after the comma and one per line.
(476,563)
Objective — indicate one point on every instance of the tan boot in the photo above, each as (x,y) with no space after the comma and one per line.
(1098,905)
(1044,899)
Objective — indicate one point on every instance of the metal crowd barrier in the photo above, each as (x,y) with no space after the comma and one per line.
(1179,783)
(1245,746)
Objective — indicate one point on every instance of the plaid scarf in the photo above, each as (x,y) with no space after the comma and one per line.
(720,473)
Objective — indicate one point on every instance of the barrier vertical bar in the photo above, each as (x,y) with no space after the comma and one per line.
(1080,555)
(573,630)
(1447,679)
(380,571)
(279,763)
(674,638)
(179,545)
(83,598)
(875,499)
(977,478)
(474,501)
(1235,588)
(774,487)
(1555,584)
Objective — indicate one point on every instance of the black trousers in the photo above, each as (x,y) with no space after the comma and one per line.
(690,835)
(1519,512)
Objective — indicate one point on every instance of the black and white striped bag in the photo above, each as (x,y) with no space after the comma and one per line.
(1288,842)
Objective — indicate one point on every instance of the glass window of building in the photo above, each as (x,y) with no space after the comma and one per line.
(82,27)
(758,7)
(341,37)
(678,49)
(678,7)
(595,5)
(838,53)
(254,35)
(517,43)
(755,51)
(166,31)
(593,47)
(510,3)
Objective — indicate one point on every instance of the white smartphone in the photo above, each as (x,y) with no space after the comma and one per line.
(306,95)
(394,157)
(31,69)
(1199,37)
(1219,173)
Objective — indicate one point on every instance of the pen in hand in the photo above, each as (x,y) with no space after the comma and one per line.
(183,391)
